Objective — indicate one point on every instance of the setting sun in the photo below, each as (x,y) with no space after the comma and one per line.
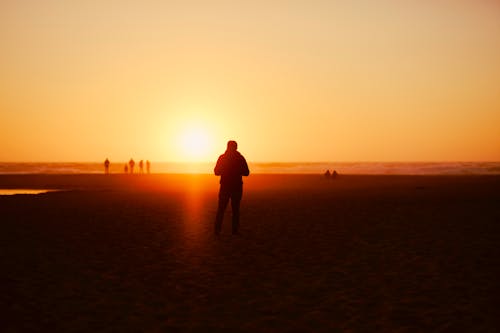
(195,144)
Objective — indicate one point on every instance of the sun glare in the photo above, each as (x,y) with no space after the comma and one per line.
(195,144)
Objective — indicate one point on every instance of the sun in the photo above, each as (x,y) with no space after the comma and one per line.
(195,144)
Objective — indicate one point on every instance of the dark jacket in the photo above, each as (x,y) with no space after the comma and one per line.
(231,166)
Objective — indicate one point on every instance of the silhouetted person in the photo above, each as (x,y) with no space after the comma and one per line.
(131,163)
(334,174)
(327,174)
(148,167)
(231,166)
(106,166)
(141,166)
(125,168)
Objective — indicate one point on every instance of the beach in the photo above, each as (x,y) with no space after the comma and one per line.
(128,253)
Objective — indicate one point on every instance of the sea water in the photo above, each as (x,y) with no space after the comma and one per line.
(367,168)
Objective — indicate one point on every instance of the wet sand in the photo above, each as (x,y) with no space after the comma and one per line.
(357,254)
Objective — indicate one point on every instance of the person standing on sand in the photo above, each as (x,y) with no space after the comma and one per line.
(141,167)
(106,167)
(231,166)
(148,167)
(131,163)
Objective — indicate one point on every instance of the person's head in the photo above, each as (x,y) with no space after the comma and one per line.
(232,145)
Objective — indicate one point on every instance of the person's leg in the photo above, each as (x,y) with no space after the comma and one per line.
(235,210)
(223,201)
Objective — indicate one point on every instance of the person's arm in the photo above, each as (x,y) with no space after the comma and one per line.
(218,167)
(244,167)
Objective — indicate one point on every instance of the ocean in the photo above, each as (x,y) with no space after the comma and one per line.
(367,168)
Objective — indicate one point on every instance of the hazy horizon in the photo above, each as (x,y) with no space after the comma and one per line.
(373,168)
(257,161)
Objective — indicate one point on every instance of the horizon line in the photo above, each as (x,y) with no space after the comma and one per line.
(273,162)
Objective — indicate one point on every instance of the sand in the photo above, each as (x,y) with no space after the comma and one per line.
(357,254)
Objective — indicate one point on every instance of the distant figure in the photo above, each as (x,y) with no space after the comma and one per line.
(106,167)
(141,166)
(148,167)
(125,168)
(334,174)
(327,174)
(230,166)
(131,163)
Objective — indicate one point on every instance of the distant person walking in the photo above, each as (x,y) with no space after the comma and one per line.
(231,166)
(148,167)
(125,168)
(141,167)
(106,167)
(131,163)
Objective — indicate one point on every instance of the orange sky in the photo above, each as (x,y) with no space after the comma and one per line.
(385,80)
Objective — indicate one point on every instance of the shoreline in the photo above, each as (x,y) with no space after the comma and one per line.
(152,181)
(352,168)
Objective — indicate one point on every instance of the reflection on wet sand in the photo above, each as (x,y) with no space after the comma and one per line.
(24,191)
